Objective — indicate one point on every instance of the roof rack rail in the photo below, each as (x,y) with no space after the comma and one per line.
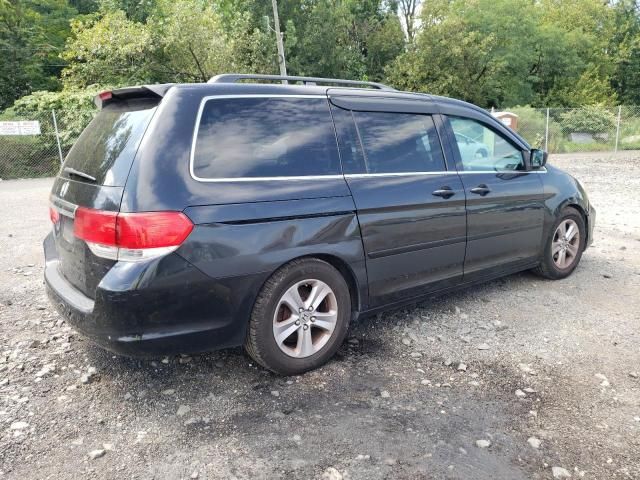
(235,77)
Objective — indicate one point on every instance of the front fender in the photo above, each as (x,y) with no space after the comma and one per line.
(562,190)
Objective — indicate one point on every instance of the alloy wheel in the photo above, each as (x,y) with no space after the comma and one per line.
(305,318)
(566,244)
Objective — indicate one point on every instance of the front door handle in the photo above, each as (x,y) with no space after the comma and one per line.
(444,192)
(481,190)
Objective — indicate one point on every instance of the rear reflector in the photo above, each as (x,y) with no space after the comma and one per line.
(131,236)
(54,215)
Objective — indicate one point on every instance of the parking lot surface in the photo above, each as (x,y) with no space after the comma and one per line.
(520,378)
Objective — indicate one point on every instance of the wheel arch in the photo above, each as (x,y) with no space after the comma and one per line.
(348,274)
(583,214)
(357,291)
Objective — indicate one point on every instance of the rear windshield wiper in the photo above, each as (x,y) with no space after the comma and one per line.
(78,173)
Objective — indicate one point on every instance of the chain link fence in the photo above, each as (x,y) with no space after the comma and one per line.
(34,145)
(585,129)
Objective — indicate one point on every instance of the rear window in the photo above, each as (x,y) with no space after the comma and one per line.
(106,148)
(265,137)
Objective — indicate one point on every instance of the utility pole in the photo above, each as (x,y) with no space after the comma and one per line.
(281,61)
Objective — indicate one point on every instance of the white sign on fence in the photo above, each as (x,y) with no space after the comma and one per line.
(23,127)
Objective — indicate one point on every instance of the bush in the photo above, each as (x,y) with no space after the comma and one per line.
(630,128)
(591,119)
(532,124)
(25,157)
(74,110)
(38,156)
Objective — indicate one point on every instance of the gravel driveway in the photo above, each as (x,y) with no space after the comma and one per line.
(521,378)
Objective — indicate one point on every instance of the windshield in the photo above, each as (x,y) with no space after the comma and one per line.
(106,148)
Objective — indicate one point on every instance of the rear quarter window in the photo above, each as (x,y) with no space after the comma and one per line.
(258,137)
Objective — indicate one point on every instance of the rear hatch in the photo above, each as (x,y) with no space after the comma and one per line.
(92,179)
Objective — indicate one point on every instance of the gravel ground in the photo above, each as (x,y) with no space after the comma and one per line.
(521,378)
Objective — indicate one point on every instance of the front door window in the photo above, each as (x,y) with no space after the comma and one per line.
(483,149)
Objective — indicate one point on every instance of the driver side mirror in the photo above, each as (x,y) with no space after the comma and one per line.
(538,158)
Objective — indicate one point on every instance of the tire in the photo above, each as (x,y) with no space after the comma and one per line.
(550,267)
(273,314)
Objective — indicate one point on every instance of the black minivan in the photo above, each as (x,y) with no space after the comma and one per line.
(189,217)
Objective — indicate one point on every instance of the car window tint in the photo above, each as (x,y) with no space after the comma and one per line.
(399,142)
(265,137)
(350,149)
(483,149)
(106,148)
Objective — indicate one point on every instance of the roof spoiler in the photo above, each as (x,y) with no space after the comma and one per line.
(143,91)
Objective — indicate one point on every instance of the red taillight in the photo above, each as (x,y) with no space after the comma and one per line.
(131,231)
(95,226)
(54,215)
(152,229)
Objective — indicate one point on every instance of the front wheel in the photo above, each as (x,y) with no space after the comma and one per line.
(300,317)
(563,249)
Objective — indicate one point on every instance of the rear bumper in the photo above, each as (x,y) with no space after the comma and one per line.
(164,306)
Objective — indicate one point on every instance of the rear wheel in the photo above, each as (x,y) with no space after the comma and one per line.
(300,317)
(563,249)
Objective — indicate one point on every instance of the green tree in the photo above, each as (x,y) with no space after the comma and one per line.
(352,39)
(625,51)
(135,10)
(479,50)
(195,43)
(503,52)
(409,10)
(32,33)
(490,52)
(108,49)
(182,41)
(577,57)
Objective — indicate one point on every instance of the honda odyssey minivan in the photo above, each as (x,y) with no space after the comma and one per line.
(190,217)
